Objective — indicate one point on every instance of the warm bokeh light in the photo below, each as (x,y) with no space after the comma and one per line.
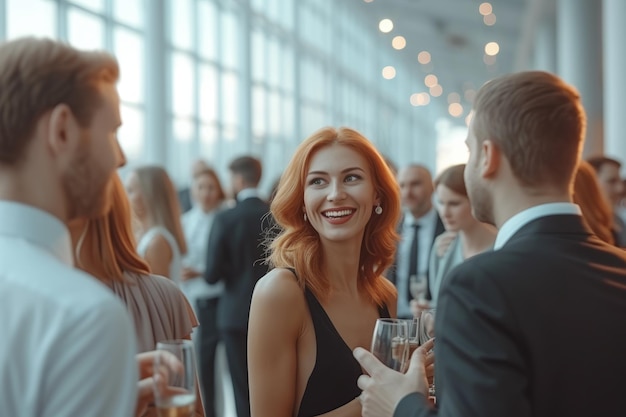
(454,98)
(455,109)
(490,19)
(389,72)
(492,48)
(368,1)
(436,90)
(469,95)
(385,25)
(423,57)
(430,80)
(485,9)
(489,60)
(419,99)
(398,42)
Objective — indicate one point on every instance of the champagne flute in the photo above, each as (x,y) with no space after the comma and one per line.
(427,332)
(418,286)
(176,396)
(390,343)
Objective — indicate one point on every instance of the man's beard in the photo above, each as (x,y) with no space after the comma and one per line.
(481,201)
(85,188)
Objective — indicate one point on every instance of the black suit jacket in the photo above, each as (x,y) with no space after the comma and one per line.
(537,328)
(235,256)
(439,229)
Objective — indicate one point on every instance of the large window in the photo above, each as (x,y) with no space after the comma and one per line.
(216,79)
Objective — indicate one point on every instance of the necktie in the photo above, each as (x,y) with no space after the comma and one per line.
(413,258)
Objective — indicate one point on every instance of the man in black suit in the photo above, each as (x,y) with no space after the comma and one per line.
(536,327)
(235,256)
(419,227)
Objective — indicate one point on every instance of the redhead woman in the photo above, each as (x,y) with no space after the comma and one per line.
(337,206)
(105,248)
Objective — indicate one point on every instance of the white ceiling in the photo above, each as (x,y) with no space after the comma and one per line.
(454,33)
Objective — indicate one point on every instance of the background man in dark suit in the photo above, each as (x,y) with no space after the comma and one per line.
(235,257)
(421,218)
(536,327)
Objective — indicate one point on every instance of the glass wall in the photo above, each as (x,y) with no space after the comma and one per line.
(216,79)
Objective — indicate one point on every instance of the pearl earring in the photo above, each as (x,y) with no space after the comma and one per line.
(378,210)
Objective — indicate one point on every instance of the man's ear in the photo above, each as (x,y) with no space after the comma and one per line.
(62,128)
(490,158)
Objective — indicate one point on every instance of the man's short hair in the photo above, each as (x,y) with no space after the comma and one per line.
(38,74)
(537,121)
(249,168)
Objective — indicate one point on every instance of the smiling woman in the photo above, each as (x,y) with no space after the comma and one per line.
(337,207)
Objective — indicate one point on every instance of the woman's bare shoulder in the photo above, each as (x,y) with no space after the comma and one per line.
(279,285)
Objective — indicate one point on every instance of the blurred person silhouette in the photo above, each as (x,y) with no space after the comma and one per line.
(184,195)
(59,114)
(234,257)
(471,236)
(159,232)
(608,171)
(593,203)
(105,248)
(506,318)
(337,209)
(419,226)
(207,200)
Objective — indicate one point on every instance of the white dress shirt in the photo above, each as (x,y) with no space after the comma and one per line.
(427,224)
(68,346)
(512,225)
(197,227)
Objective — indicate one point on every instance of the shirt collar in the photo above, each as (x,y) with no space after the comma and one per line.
(19,220)
(247,193)
(427,218)
(512,225)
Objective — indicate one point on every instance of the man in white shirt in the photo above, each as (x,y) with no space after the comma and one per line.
(420,226)
(68,347)
(535,327)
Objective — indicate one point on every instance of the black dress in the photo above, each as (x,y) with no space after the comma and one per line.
(333,382)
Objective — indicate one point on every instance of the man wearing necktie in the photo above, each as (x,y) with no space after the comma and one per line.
(418,229)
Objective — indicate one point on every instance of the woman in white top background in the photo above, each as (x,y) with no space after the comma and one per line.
(159,232)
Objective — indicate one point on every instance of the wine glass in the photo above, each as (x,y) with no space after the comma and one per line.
(390,343)
(176,397)
(413,335)
(427,332)
(426,325)
(417,286)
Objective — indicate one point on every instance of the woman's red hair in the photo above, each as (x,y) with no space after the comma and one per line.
(111,238)
(297,245)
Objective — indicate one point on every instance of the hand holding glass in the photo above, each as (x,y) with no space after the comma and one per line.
(390,343)
(175,387)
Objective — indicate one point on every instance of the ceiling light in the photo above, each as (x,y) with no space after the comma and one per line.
(398,42)
(454,98)
(436,90)
(385,25)
(490,19)
(485,9)
(389,72)
(455,109)
(423,57)
(430,80)
(492,48)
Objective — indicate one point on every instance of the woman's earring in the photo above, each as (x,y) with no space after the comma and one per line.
(305,218)
(378,209)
